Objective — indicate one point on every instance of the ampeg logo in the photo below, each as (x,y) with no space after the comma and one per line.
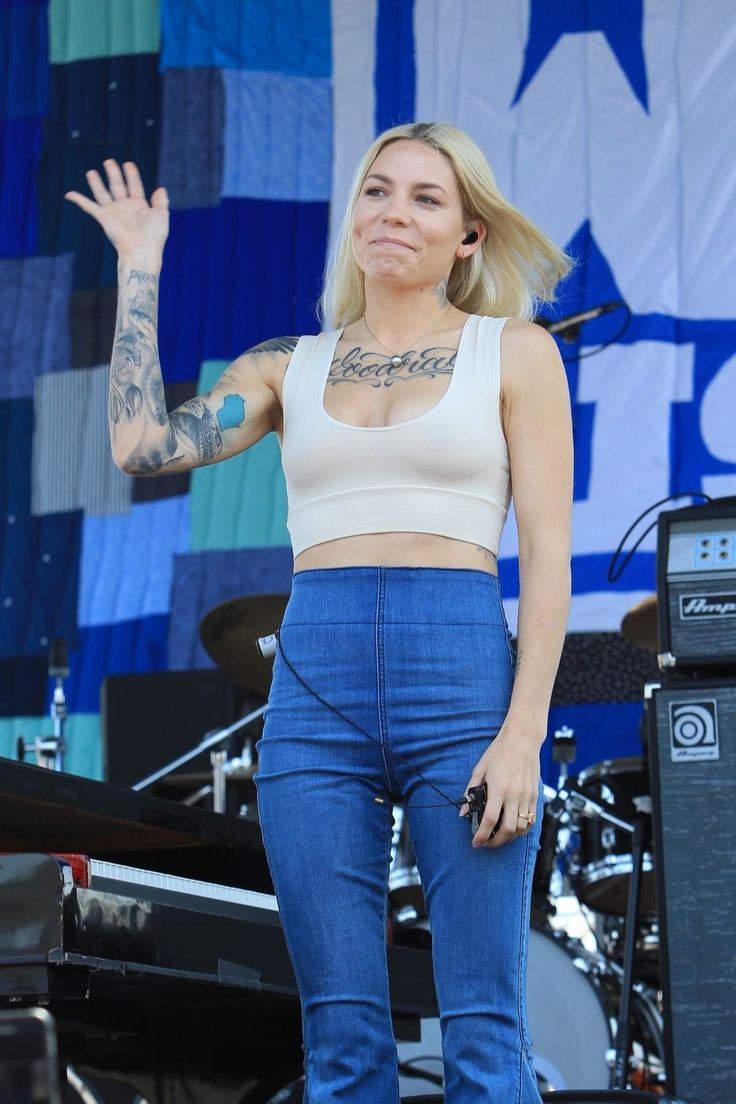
(698,607)
(694,730)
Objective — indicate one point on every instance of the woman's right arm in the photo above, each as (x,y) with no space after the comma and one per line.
(239,410)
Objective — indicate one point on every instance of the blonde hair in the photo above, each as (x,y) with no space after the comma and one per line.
(516,268)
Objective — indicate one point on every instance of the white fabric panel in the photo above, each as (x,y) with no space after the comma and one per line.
(470,55)
(353,104)
(718,413)
(633,388)
(658,187)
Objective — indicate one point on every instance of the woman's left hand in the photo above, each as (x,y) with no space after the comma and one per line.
(510,769)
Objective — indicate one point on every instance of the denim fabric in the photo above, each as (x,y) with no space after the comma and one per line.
(421,659)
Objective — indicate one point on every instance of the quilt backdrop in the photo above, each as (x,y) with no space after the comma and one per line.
(611,124)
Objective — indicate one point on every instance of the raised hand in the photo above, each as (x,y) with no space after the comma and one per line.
(134,226)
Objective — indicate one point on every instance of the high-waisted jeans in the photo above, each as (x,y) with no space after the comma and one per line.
(420,658)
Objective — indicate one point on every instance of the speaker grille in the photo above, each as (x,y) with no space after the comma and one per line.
(692,730)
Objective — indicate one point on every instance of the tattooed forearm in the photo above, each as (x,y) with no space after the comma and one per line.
(137,406)
(137,274)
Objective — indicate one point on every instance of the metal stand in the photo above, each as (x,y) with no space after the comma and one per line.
(623,1028)
(50,750)
(218,758)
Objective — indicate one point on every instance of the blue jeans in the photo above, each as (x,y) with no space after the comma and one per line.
(420,658)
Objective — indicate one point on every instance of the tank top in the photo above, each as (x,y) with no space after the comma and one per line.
(445,471)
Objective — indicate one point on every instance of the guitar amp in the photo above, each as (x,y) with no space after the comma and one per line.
(696,586)
(691,726)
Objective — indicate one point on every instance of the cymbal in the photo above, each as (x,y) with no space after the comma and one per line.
(640,624)
(229,633)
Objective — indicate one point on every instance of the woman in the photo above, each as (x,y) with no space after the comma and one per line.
(402,431)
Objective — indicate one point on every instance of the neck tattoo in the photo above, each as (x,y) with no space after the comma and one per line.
(396,360)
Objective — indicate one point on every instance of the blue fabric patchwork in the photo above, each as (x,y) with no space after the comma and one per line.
(34,321)
(205,579)
(137,645)
(16,435)
(127,562)
(192,135)
(39,576)
(20,154)
(273,253)
(105,107)
(278,136)
(73,467)
(279,36)
(396,64)
(24,61)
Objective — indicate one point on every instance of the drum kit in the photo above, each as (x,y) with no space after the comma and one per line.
(593,997)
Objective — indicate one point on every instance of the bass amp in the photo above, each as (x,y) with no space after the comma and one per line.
(691,727)
(696,586)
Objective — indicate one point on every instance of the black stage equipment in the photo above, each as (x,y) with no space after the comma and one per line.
(692,746)
(150,719)
(696,586)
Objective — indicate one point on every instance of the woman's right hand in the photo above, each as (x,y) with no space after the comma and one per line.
(134,226)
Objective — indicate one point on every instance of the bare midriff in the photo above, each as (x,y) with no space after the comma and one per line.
(396,550)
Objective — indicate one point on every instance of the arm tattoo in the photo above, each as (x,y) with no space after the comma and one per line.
(136,398)
(276,345)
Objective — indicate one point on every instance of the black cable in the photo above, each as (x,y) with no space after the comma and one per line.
(682,494)
(456,804)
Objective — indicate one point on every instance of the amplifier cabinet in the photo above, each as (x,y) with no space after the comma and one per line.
(691,726)
(696,587)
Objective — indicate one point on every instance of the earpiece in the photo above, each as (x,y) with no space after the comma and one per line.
(472,236)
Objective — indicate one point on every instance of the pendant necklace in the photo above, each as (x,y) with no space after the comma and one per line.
(395,360)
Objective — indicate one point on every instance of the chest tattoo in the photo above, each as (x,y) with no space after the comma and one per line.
(360,365)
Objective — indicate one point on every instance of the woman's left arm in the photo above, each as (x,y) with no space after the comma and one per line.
(538,428)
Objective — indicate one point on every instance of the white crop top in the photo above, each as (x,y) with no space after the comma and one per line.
(445,472)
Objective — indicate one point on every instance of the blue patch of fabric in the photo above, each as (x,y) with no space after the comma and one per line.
(16,435)
(279,36)
(24,61)
(396,77)
(39,581)
(34,308)
(110,104)
(272,290)
(124,648)
(127,562)
(20,155)
(288,121)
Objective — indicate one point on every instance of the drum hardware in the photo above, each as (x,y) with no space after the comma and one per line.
(227,633)
(50,750)
(405,893)
(600,866)
(241,768)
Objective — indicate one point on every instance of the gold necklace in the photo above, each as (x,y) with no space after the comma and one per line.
(395,360)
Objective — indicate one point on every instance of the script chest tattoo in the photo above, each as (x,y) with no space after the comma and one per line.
(366,366)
